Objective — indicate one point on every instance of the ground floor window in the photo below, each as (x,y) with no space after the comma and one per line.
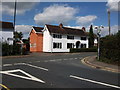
(57,45)
(70,45)
(83,45)
(33,45)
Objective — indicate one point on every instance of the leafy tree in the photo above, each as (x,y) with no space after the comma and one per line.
(16,47)
(91,37)
(18,35)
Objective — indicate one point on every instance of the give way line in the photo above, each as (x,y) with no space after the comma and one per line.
(88,80)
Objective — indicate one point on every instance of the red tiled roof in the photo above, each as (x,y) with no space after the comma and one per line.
(65,30)
(6,25)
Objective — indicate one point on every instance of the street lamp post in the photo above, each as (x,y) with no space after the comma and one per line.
(99,35)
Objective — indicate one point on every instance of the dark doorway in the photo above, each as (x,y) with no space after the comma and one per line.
(77,44)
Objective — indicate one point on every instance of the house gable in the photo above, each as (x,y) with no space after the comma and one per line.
(36,41)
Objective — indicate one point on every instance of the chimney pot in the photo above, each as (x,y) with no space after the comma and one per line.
(83,28)
(61,25)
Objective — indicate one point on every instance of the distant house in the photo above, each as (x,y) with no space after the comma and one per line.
(6,32)
(36,39)
(57,39)
(61,39)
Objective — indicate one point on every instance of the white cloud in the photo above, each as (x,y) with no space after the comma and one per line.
(77,27)
(105,30)
(56,14)
(85,20)
(25,29)
(113,5)
(22,7)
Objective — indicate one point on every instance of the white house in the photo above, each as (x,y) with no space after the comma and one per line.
(61,39)
(6,32)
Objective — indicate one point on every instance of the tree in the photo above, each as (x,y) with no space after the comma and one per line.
(17,47)
(18,35)
(91,37)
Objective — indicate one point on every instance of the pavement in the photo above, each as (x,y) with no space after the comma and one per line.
(92,62)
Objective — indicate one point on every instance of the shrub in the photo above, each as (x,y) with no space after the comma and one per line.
(12,50)
(83,50)
(110,47)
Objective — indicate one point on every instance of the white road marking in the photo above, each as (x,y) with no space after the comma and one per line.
(37,67)
(52,60)
(30,77)
(7,64)
(19,63)
(65,59)
(58,59)
(84,79)
(75,58)
(37,61)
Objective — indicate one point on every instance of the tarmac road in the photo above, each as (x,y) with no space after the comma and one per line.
(54,70)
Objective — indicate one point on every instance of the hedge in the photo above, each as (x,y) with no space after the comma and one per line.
(12,50)
(110,47)
(83,50)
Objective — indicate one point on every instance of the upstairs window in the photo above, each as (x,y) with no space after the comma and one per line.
(83,38)
(70,37)
(57,36)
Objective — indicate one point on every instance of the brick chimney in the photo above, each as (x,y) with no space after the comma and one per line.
(83,28)
(61,25)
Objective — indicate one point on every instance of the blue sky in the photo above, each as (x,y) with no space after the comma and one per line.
(73,14)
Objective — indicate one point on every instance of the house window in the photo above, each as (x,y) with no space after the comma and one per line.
(57,45)
(57,36)
(70,37)
(83,45)
(70,45)
(33,45)
(83,38)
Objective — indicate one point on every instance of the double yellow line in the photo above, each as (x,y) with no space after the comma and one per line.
(4,87)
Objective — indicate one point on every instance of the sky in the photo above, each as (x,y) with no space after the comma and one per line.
(71,14)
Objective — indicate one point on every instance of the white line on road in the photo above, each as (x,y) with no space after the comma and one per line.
(65,59)
(52,60)
(7,64)
(19,63)
(37,61)
(84,79)
(75,58)
(28,76)
(37,67)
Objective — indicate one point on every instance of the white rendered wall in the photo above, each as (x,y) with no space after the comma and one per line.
(64,42)
(46,40)
(5,35)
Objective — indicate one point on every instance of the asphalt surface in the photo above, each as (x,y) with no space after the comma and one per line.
(59,70)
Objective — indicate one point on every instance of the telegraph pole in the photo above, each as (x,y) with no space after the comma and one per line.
(109,20)
(14,15)
(14,23)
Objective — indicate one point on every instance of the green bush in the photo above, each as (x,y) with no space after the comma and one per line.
(110,47)
(12,50)
(83,50)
